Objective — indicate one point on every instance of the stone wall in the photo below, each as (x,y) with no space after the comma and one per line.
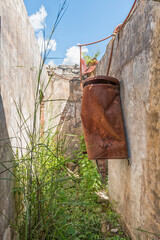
(64,104)
(136,63)
(19,64)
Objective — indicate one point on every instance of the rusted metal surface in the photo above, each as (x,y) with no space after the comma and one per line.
(102,119)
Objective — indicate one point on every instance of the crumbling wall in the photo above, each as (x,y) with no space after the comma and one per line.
(19,64)
(136,63)
(64,104)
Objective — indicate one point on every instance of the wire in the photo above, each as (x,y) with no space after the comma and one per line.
(86,44)
(116,31)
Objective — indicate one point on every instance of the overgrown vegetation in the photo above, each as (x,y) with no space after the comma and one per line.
(112,222)
(63,206)
(52,201)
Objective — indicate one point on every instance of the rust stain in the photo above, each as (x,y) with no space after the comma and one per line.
(102,119)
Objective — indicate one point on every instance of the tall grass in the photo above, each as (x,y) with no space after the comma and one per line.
(52,201)
(33,140)
(63,204)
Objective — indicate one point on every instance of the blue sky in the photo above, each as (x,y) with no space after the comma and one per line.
(84,21)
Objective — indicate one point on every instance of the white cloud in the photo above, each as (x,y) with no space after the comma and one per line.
(43,43)
(51,63)
(38,22)
(38,19)
(73,55)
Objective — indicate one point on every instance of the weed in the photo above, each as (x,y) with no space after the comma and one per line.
(52,202)
(91,60)
(62,206)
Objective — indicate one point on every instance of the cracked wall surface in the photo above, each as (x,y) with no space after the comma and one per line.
(19,64)
(136,63)
(64,104)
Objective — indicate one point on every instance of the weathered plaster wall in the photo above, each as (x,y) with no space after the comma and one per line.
(71,117)
(136,63)
(64,104)
(19,63)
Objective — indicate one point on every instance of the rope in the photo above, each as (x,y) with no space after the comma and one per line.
(116,31)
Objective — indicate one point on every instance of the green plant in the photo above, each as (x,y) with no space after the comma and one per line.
(91,59)
(62,206)
(52,202)
(88,170)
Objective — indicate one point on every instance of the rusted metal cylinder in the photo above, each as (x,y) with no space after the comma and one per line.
(102,119)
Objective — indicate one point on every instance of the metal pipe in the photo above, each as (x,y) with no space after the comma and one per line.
(86,44)
(80,48)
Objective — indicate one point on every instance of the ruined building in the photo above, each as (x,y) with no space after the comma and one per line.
(136,63)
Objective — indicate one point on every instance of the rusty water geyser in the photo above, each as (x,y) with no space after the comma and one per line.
(102,118)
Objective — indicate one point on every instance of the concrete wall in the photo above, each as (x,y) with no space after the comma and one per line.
(19,63)
(136,63)
(64,103)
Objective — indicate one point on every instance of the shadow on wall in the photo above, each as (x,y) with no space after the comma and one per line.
(70,122)
(122,87)
(7,201)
